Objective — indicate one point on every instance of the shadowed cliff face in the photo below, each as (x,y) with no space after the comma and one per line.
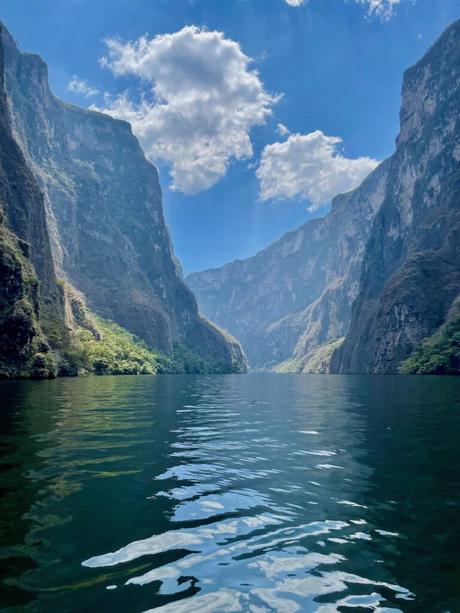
(411,268)
(104,214)
(29,294)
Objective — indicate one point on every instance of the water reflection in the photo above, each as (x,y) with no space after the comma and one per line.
(234,493)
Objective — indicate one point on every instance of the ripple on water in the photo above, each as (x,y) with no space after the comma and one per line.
(246,547)
(280,571)
(214,494)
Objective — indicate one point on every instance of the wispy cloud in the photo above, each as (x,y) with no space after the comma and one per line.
(203,98)
(82,87)
(383,9)
(282,129)
(295,2)
(309,166)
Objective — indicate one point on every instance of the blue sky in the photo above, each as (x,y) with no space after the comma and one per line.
(324,69)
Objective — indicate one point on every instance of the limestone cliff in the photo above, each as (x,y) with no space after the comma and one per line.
(104,215)
(411,269)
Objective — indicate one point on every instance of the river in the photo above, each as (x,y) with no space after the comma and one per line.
(257,493)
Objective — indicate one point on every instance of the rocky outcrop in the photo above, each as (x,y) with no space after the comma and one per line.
(289,302)
(411,268)
(104,215)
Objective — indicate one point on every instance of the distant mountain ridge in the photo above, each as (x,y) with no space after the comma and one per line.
(104,221)
(291,304)
(294,297)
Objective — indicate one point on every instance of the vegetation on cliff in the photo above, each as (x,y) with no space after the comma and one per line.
(23,349)
(112,350)
(102,347)
(437,355)
(35,344)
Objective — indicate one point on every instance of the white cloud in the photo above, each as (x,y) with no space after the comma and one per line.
(384,9)
(203,100)
(81,86)
(309,166)
(282,129)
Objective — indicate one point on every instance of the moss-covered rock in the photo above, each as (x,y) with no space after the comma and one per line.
(43,366)
(18,307)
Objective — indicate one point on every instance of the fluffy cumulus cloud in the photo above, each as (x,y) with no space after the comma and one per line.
(202,100)
(82,87)
(309,166)
(295,2)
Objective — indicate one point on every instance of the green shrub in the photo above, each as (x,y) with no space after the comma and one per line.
(117,352)
(438,355)
(184,360)
(43,366)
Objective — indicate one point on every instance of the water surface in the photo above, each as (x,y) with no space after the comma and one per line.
(255,493)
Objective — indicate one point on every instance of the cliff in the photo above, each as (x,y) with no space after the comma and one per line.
(104,216)
(411,268)
(290,303)
(31,301)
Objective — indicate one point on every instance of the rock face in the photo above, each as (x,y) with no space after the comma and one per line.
(30,297)
(291,303)
(411,268)
(104,215)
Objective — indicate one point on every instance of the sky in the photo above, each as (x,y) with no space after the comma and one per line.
(256,112)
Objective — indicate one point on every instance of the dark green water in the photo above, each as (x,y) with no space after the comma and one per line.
(235,493)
